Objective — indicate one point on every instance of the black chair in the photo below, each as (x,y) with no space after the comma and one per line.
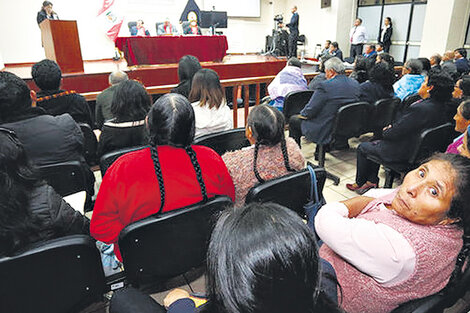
(56,276)
(108,159)
(165,246)
(291,191)
(408,100)
(349,122)
(431,140)
(443,299)
(295,101)
(382,113)
(227,140)
(91,144)
(66,178)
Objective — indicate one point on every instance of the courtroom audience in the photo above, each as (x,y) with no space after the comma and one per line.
(380,84)
(187,67)
(130,105)
(411,80)
(369,51)
(462,121)
(47,139)
(435,61)
(269,156)
(321,77)
(400,138)
(56,101)
(336,51)
(360,69)
(316,119)
(207,97)
(449,66)
(462,88)
(105,98)
(387,59)
(408,243)
(464,148)
(461,61)
(168,175)
(289,79)
(426,65)
(30,210)
(261,258)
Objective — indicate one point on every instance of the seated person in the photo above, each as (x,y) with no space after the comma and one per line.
(270,155)
(403,245)
(464,148)
(461,61)
(141,31)
(426,65)
(168,175)
(207,97)
(435,61)
(462,121)
(130,105)
(449,66)
(30,210)
(380,84)
(48,77)
(317,118)
(104,99)
(315,82)
(462,88)
(400,137)
(166,28)
(274,264)
(192,28)
(47,139)
(411,80)
(325,51)
(336,51)
(379,48)
(361,69)
(387,59)
(289,79)
(369,51)
(187,67)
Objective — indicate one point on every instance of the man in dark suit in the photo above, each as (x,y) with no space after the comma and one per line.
(293,33)
(336,51)
(316,119)
(461,61)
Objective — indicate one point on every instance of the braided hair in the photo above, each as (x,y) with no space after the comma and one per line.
(170,121)
(267,125)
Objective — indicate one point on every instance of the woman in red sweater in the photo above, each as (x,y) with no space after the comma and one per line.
(168,175)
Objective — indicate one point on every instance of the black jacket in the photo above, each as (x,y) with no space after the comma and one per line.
(114,137)
(58,102)
(399,140)
(387,40)
(322,107)
(372,91)
(55,217)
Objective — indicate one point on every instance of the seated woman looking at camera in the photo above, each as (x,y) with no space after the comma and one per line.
(129,107)
(168,175)
(262,258)
(403,245)
(30,210)
(269,156)
(208,100)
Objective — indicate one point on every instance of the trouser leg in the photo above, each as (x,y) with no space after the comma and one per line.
(295,128)
(366,170)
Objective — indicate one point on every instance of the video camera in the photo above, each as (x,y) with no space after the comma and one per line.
(278,18)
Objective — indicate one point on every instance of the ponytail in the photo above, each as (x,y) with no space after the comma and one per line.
(192,155)
(255,158)
(158,172)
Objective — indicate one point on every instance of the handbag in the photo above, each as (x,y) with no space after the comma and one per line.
(315,203)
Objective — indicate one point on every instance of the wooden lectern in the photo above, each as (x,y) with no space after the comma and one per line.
(60,40)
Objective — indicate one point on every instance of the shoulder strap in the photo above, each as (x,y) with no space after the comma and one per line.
(313,188)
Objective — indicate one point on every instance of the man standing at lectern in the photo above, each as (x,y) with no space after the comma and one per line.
(46,12)
(293,33)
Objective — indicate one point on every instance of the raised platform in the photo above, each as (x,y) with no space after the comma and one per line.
(95,76)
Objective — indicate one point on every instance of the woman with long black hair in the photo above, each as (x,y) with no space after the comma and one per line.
(270,155)
(30,210)
(168,175)
(385,35)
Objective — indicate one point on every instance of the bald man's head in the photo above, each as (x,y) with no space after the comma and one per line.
(117,77)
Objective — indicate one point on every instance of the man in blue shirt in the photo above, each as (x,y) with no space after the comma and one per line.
(369,51)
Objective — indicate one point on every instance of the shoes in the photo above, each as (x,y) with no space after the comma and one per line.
(360,189)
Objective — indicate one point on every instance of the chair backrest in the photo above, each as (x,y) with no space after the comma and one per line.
(91,144)
(161,247)
(350,119)
(56,276)
(291,191)
(66,178)
(383,112)
(432,140)
(221,142)
(295,101)
(108,159)
(409,100)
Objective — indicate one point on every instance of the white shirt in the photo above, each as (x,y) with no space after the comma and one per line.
(382,34)
(212,120)
(358,35)
(373,248)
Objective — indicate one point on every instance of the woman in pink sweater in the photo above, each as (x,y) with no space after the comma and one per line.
(269,156)
(403,245)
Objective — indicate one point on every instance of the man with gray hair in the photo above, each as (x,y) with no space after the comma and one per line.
(105,98)
(411,79)
(316,119)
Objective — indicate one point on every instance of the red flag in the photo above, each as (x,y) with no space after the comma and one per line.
(106,5)
(111,17)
